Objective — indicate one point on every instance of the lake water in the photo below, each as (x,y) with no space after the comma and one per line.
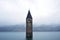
(36,36)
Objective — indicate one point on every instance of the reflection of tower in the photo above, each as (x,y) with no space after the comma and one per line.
(29,25)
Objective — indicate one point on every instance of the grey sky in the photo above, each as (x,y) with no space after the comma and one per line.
(43,11)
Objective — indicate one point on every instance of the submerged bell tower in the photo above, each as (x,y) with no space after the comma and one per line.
(29,25)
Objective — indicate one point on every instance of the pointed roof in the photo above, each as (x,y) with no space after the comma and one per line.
(29,14)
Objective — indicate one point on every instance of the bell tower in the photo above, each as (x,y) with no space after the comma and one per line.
(29,25)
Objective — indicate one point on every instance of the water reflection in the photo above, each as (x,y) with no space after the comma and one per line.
(28,38)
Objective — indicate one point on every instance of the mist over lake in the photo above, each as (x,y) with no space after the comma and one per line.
(22,28)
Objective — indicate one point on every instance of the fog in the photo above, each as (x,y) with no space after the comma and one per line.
(14,12)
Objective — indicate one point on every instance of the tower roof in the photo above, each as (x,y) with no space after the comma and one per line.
(29,14)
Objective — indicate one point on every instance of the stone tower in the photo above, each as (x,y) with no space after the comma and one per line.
(29,25)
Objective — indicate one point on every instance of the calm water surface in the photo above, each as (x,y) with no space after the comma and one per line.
(36,36)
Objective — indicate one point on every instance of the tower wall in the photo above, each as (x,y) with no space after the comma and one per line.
(28,28)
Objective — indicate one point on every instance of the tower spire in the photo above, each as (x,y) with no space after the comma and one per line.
(29,14)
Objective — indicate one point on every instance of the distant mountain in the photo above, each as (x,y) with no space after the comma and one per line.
(12,28)
(48,28)
(22,28)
